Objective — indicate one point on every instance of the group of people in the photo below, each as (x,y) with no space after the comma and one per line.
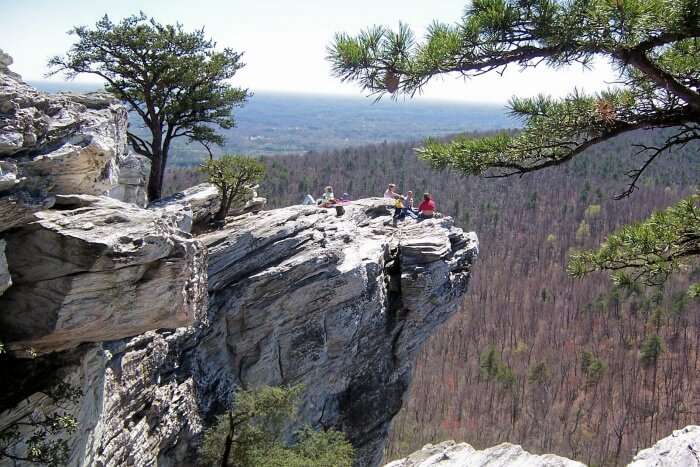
(327,199)
(405,205)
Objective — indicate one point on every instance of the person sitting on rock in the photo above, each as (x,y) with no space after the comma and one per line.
(391,192)
(399,210)
(328,198)
(409,209)
(426,210)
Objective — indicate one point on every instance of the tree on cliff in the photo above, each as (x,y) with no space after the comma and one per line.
(250,434)
(233,176)
(653,44)
(42,437)
(172,79)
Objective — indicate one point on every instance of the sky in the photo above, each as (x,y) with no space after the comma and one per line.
(284,41)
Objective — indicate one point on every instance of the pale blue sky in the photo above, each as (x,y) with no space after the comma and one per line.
(284,41)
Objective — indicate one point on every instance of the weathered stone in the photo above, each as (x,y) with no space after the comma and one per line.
(94,269)
(451,454)
(133,180)
(681,448)
(297,295)
(5,279)
(5,62)
(194,207)
(69,142)
(18,208)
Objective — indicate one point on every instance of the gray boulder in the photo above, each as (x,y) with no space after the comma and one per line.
(133,180)
(5,279)
(681,448)
(296,295)
(94,269)
(451,454)
(195,207)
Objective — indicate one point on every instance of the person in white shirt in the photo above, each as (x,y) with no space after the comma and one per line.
(391,192)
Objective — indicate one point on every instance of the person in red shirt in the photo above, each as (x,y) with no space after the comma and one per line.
(426,210)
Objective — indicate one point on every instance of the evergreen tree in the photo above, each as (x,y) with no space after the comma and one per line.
(251,435)
(652,43)
(172,79)
(233,176)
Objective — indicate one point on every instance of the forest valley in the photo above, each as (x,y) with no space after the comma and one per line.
(575,367)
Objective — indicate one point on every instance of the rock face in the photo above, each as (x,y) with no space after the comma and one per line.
(114,297)
(340,304)
(296,295)
(682,448)
(451,454)
(194,207)
(5,279)
(95,269)
(133,180)
(59,144)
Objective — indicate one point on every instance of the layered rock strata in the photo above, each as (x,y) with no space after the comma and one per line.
(296,295)
(60,144)
(93,269)
(451,454)
(681,448)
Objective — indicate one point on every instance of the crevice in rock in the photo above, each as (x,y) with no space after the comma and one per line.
(392,282)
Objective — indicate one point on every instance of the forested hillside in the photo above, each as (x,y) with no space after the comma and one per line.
(574,367)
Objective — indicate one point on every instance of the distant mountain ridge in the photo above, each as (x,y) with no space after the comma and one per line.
(280,123)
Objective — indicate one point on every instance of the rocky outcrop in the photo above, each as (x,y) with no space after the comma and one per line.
(5,62)
(296,295)
(133,180)
(682,448)
(94,269)
(5,279)
(194,208)
(113,297)
(59,144)
(451,454)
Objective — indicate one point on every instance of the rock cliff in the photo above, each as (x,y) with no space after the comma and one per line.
(680,449)
(158,326)
(296,295)
(451,454)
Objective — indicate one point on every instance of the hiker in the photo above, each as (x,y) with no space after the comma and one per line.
(328,198)
(399,210)
(308,200)
(426,210)
(409,209)
(391,192)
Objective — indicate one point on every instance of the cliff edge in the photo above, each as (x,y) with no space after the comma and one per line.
(159,326)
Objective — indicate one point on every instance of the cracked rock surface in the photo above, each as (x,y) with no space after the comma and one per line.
(681,448)
(296,295)
(451,454)
(94,269)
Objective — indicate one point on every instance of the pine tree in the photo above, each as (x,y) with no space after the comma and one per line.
(172,79)
(652,43)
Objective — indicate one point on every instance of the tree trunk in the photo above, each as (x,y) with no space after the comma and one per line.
(228,442)
(155,178)
(223,209)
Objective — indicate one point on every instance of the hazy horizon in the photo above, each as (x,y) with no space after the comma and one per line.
(284,43)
